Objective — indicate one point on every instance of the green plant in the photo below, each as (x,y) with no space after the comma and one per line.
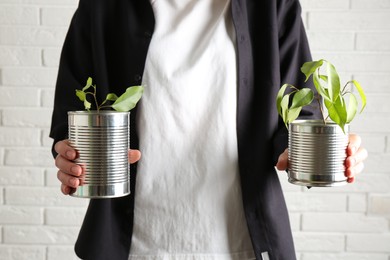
(341,104)
(123,103)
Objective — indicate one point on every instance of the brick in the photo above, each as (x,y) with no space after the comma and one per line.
(343,256)
(61,253)
(378,243)
(364,182)
(370,123)
(19,15)
(39,235)
(64,216)
(19,96)
(303,202)
(33,117)
(1,156)
(40,197)
(28,157)
(357,62)
(374,143)
(14,136)
(51,57)
(10,56)
(56,16)
(357,202)
(377,102)
(295,221)
(47,97)
(21,215)
(369,182)
(378,163)
(47,142)
(372,4)
(13,252)
(32,36)
(324,4)
(373,41)
(356,20)
(314,242)
(331,41)
(19,176)
(342,222)
(1,202)
(379,205)
(29,76)
(373,82)
(51,177)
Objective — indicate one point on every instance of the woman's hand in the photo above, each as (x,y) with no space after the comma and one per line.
(354,163)
(69,172)
(355,157)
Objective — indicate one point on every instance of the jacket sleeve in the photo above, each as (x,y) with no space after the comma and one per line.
(74,68)
(293,52)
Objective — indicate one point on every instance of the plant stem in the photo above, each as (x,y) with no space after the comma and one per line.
(106,106)
(322,111)
(94,97)
(345,86)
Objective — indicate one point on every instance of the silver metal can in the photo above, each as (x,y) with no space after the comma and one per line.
(102,140)
(317,153)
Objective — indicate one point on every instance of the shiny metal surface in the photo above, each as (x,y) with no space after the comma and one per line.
(102,140)
(317,153)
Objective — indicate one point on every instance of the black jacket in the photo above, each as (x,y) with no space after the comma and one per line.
(108,40)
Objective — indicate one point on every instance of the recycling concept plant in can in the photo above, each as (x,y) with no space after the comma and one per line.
(317,153)
(102,141)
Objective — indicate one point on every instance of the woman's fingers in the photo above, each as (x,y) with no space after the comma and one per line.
(65,150)
(356,156)
(134,156)
(282,163)
(354,143)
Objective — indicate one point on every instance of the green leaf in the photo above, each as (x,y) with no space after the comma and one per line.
(129,99)
(111,97)
(302,97)
(324,78)
(352,107)
(87,105)
(81,95)
(337,111)
(321,89)
(88,84)
(333,82)
(279,98)
(308,68)
(284,108)
(293,114)
(361,93)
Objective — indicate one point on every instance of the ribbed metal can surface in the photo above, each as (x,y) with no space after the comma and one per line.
(317,153)
(102,140)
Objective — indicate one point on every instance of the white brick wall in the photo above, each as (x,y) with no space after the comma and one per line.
(38,223)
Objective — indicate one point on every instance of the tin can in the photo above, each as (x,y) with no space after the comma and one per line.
(102,140)
(317,153)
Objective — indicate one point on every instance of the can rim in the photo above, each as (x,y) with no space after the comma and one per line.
(316,126)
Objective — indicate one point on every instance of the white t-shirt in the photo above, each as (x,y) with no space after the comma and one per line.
(188,202)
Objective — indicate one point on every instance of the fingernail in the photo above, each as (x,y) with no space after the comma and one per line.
(75,169)
(353,161)
(73,182)
(69,154)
